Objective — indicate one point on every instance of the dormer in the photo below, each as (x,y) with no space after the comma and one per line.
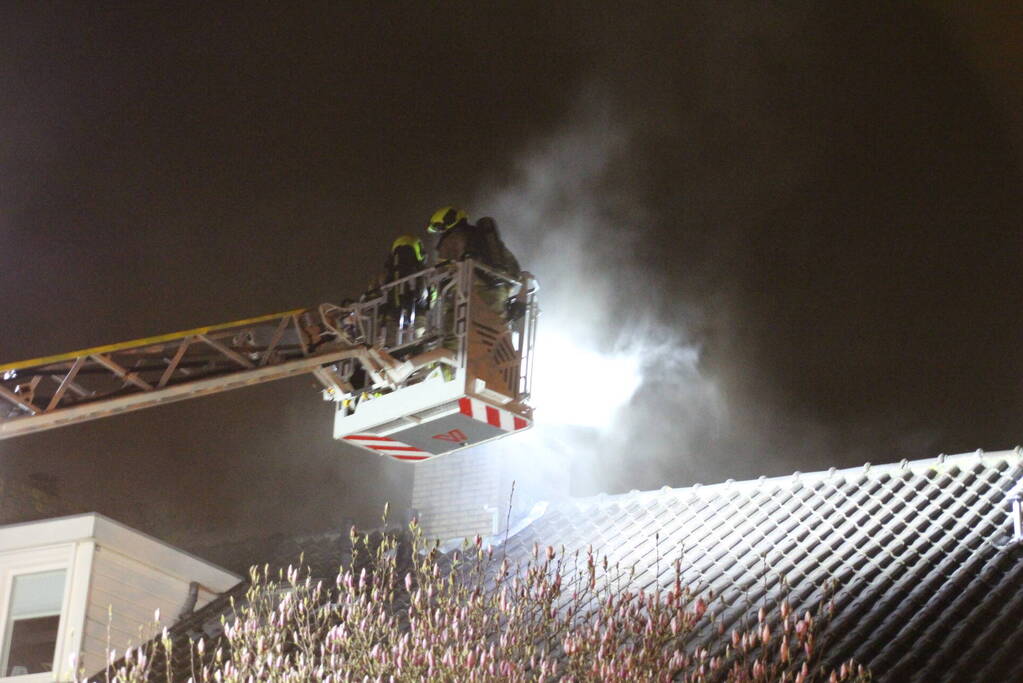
(72,587)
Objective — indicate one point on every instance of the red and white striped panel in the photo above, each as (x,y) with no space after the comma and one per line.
(495,417)
(386,446)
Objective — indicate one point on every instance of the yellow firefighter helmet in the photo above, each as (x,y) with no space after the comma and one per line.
(446,218)
(409,241)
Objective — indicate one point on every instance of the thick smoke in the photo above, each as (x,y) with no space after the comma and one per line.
(612,381)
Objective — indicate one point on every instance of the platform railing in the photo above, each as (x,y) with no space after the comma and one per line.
(419,312)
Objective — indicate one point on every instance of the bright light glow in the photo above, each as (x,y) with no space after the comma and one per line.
(579,386)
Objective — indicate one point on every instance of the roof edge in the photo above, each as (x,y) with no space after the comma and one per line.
(941,461)
(118,537)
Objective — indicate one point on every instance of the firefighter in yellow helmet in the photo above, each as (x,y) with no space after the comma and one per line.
(457,239)
(408,300)
(406,257)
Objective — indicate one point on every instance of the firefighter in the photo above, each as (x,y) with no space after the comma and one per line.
(458,239)
(407,302)
(406,258)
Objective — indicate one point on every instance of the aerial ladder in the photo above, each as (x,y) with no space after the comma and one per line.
(422,366)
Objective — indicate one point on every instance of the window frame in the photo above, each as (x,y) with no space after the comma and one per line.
(33,561)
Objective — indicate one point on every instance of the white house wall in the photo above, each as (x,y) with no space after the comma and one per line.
(124,595)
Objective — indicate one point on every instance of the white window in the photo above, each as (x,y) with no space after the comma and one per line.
(34,593)
(33,622)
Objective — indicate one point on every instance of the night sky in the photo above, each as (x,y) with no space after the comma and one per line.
(824,203)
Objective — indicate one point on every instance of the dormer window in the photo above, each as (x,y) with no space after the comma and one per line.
(33,622)
(72,587)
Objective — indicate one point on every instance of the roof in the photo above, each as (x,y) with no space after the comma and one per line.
(322,552)
(929,577)
(926,568)
(116,536)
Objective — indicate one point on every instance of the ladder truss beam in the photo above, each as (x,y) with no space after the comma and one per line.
(91,383)
(42,421)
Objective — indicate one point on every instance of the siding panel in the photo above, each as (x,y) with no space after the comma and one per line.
(129,591)
(123,595)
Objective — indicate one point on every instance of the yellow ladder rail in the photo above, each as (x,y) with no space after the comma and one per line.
(146,341)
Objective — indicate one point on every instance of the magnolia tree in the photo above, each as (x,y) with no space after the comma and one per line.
(403,611)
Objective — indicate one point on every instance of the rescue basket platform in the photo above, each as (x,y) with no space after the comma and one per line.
(467,386)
